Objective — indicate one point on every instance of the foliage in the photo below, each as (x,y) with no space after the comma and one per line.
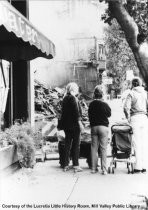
(25,150)
(119,56)
(132,16)
(25,138)
(138,9)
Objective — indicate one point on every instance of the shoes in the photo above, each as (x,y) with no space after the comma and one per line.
(136,171)
(143,170)
(70,167)
(93,171)
(66,168)
(77,169)
(104,172)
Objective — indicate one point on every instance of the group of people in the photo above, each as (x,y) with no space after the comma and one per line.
(135,109)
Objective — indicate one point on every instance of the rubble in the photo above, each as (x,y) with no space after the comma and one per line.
(48,103)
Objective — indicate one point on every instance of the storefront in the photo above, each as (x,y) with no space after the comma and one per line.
(20,42)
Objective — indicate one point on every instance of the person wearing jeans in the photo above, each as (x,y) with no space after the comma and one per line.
(98,113)
(99,136)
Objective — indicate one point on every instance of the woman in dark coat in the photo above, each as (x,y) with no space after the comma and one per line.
(71,123)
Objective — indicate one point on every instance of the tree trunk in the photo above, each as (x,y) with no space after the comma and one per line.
(141,57)
(130,29)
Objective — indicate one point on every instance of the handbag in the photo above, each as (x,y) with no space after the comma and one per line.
(82,130)
(60,124)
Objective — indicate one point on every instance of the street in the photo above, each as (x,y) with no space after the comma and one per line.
(46,186)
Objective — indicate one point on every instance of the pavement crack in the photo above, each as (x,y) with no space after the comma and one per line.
(72,190)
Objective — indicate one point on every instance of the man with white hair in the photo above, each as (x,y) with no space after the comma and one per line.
(135,109)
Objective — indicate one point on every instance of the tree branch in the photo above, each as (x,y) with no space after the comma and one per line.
(126,22)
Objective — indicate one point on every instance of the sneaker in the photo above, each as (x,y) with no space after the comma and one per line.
(66,168)
(104,172)
(77,169)
(70,167)
(93,171)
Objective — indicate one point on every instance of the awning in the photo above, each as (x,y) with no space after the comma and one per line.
(19,39)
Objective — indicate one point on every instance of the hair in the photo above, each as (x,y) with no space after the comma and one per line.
(141,38)
(98,92)
(72,88)
(136,81)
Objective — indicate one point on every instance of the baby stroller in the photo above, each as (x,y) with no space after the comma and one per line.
(121,147)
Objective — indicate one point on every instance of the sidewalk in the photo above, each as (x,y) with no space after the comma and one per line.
(48,187)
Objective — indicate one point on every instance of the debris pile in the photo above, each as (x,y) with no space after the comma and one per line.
(84,109)
(48,102)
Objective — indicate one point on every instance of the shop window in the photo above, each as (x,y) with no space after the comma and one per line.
(4,87)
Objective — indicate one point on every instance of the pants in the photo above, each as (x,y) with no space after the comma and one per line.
(139,124)
(99,136)
(72,144)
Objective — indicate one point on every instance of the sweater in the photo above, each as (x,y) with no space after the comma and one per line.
(98,113)
(71,112)
(136,102)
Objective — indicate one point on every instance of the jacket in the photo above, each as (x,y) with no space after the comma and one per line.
(71,112)
(98,113)
(136,102)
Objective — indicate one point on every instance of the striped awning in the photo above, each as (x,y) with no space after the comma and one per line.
(19,39)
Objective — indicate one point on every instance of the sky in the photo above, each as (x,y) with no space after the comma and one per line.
(51,17)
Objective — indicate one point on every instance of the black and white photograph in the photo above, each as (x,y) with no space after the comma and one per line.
(73,104)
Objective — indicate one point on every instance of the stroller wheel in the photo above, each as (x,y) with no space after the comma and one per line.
(132,168)
(115,164)
(113,171)
(109,170)
(127,165)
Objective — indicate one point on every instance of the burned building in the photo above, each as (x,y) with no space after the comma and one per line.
(87,62)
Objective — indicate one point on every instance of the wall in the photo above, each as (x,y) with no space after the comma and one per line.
(82,48)
(85,75)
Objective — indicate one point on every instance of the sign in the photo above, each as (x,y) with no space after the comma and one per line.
(129,75)
(107,80)
(49,128)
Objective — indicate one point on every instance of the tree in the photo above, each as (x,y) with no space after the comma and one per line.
(119,56)
(132,16)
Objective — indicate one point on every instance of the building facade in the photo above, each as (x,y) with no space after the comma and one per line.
(20,42)
(87,62)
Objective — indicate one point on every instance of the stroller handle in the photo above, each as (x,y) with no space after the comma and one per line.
(122,125)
